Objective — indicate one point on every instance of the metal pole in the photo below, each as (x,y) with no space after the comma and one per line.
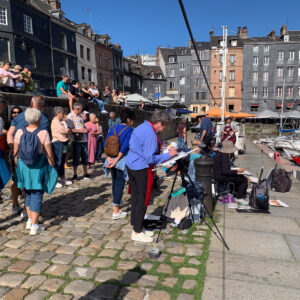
(281,116)
(224,53)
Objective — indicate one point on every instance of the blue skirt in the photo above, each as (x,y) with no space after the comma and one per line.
(4,172)
(40,176)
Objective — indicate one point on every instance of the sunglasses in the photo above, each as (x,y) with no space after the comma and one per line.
(15,112)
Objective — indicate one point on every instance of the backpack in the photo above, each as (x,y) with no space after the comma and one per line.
(112,145)
(280,180)
(259,197)
(29,147)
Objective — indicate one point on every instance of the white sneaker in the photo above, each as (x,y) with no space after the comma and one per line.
(242,202)
(104,112)
(141,237)
(149,233)
(28,224)
(36,229)
(58,185)
(66,182)
(120,215)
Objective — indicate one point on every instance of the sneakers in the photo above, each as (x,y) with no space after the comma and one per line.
(87,176)
(104,111)
(66,182)
(16,209)
(28,224)
(242,202)
(34,230)
(58,185)
(120,215)
(141,237)
(149,233)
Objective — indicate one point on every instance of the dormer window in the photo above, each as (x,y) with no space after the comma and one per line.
(233,43)
(159,76)
(152,75)
(286,38)
(221,43)
(171,59)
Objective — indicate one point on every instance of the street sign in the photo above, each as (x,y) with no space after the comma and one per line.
(157,95)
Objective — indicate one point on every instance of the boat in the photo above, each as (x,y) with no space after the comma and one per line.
(296,159)
(289,145)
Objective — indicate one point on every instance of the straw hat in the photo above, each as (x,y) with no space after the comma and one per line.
(228,147)
(17,67)
(228,117)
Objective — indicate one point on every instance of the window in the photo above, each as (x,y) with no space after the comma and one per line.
(220,91)
(203,95)
(4,50)
(265,92)
(232,59)
(299,55)
(231,91)
(254,92)
(182,98)
(172,59)
(289,91)
(298,72)
(266,60)
(81,51)
(255,60)
(220,75)
(254,107)
(83,73)
(279,71)
(195,109)
(255,48)
(172,85)
(28,24)
(152,75)
(159,76)
(127,81)
(202,82)
(3,16)
(182,80)
(181,66)
(231,75)
(89,74)
(280,55)
(172,72)
(266,48)
(265,76)
(233,43)
(290,72)
(231,107)
(106,60)
(100,78)
(255,76)
(291,55)
(157,88)
(88,54)
(63,41)
(197,96)
(100,59)
(107,79)
(279,91)
(221,59)
(298,91)
(196,69)
(286,38)
(201,54)
(196,82)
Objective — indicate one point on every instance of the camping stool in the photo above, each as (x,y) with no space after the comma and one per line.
(277,157)
(218,188)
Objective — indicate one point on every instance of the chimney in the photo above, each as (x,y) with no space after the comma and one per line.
(157,55)
(272,35)
(283,30)
(54,3)
(243,33)
(239,31)
(211,33)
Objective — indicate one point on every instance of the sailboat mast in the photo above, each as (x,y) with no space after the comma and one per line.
(224,54)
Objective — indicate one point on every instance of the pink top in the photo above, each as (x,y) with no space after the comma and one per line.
(10,81)
(43,137)
(91,127)
(59,130)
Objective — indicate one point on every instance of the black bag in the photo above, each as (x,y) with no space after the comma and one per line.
(259,197)
(185,223)
(280,180)
(78,137)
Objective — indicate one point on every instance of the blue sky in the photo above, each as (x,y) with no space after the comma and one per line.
(142,25)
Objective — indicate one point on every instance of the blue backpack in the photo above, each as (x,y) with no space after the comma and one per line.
(29,147)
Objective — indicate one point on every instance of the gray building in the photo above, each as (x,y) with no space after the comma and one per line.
(271,72)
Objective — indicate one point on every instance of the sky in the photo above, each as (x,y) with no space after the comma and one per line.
(140,26)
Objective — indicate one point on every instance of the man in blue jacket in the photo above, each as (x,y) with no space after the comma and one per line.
(143,155)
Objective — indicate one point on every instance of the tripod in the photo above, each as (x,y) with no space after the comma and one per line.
(182,167)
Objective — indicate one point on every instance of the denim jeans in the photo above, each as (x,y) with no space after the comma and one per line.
(181,143)
(60,157)
(118,182)
(99,148)
(80,150)
(100,103)
(34,200)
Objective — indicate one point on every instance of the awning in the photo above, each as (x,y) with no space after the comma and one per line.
(278,104)
(289,104)
(183,111)
(254,105)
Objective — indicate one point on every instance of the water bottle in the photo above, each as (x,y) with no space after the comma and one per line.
(261,197)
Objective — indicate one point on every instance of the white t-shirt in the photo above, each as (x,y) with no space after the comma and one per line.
(94,92)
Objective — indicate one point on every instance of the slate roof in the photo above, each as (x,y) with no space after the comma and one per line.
(166,52)
(147,70)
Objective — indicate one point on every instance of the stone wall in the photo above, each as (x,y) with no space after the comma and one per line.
(51,102)
(257,131)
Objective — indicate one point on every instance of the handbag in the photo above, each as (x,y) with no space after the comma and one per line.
(3,81)
(78,137)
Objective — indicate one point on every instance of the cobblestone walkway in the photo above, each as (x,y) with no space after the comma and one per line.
(84,254)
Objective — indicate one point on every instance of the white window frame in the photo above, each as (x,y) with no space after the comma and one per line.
(231,92)
(232,59)
(231,75)
(181,66)
(265,92)
(286,38)
(298,72)
(182,80)
(255,48)
(201,54)
(266,48)
(172,59)
(27,22)
(298,91)
(290,72)
(291,54)
(266,60)
(233,43)
(279,72)
(265,76)
(255,76)
(182,97)
(172,85)
(255,60)
(172,73)
(3,16)
(254,92)
(280,55)
(279,91)
(289,91)
(220,75)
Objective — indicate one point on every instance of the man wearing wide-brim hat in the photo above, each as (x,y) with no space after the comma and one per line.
(204,134)
(222,172)
(228,130)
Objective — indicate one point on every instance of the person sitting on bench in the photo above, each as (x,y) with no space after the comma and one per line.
(222,172)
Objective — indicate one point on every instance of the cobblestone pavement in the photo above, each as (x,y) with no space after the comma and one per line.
(84,254)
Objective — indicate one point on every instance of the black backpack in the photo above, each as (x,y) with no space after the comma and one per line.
(259,197)
(280,180)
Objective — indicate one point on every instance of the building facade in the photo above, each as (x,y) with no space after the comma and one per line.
(272,72)
(117,67)
(132,76)
(85,46)
(234,70)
